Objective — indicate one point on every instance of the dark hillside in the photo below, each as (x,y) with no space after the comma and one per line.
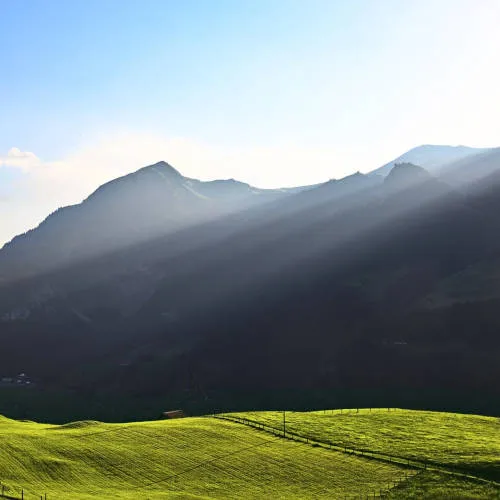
(304,301)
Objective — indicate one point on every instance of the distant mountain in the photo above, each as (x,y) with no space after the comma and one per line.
(343,294)
(472,170)
(404,175)
(430,157)
(332,196)
(145,204)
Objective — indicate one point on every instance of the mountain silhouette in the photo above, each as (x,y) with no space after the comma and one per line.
(327,296)
(139,206)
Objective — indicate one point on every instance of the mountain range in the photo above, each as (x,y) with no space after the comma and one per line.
(153,201)
(379,287)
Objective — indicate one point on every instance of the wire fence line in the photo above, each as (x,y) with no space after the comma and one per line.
(365,453)
(284,433)
(411,467)
(20,494)
(11,493)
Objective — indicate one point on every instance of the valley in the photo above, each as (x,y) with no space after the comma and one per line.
(249,250)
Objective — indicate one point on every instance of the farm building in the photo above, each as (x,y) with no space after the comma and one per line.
(173,414)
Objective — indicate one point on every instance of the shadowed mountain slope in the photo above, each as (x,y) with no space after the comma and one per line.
(143,205)
(471,172)
(318,291)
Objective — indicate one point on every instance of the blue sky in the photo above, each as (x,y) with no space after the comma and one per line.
(275,93)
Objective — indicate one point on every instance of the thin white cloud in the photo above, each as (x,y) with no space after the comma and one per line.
(24,160)
(48,185)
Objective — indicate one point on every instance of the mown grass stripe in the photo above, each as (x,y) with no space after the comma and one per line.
(215,458)
(313,419)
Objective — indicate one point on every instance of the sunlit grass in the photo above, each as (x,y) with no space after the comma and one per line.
(185,458)
(468,443)
(437,486)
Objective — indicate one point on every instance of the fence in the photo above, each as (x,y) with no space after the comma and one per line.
(369,454)
(18,494)
(409,465)
(280,432)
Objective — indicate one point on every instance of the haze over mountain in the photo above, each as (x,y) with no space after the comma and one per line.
(156,200)
(345,290)
(431,157)
(148,203)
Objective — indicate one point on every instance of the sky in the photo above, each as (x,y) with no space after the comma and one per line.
(271,92)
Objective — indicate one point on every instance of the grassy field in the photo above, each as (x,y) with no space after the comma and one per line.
(185,458)
(467,444)
(205,457)
(437,486)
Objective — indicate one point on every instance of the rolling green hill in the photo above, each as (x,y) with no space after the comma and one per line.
(463,443)
(458,455)
(185,458)
(207,457)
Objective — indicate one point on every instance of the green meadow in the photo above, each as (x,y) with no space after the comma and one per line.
(206,457)
(461,452)
(184,458)
(464,443)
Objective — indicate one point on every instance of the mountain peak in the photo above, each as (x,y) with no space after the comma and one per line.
(162,167)
(406,175)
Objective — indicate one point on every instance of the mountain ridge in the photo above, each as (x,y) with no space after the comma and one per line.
(431,157)
(154,200)
(321,290)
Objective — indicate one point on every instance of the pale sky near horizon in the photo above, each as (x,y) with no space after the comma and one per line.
(274,93)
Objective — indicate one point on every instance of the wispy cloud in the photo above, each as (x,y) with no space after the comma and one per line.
(24,160)
(48,185)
